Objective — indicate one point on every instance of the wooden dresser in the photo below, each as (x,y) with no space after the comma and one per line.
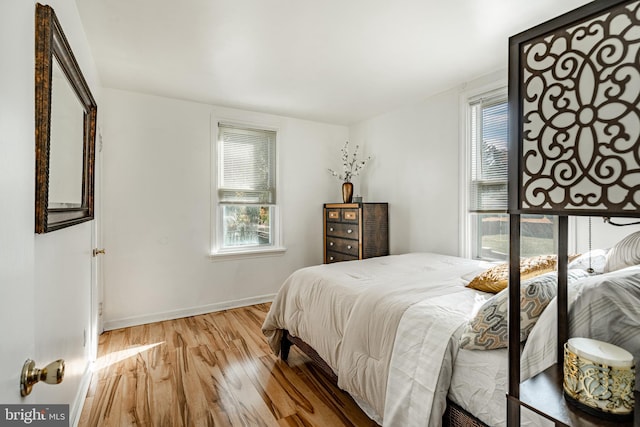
(355,231)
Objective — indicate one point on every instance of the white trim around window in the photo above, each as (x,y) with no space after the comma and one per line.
(466,97)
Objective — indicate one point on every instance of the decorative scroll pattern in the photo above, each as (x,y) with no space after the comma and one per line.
(581,115)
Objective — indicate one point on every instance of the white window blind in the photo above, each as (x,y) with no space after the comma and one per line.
(247,166)
(489,155)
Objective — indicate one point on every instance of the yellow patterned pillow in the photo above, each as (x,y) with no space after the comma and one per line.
(496,278)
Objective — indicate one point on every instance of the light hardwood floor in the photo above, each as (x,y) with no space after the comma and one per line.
(209,370)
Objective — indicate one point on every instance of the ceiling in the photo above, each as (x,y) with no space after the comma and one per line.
(335,61)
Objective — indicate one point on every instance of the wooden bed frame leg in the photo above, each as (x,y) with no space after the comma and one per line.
(289,340)
(285,346)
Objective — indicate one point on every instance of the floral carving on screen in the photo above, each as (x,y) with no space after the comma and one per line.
(581,115)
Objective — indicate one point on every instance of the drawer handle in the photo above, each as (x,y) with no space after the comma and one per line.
(331,229)
(349,231)
(330,243)
(348,246)
(330,258)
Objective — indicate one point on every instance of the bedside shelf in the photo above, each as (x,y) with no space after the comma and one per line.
(543,394)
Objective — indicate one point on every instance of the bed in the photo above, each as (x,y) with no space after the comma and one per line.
(394,331)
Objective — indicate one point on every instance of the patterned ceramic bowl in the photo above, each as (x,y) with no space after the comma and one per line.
(599,377)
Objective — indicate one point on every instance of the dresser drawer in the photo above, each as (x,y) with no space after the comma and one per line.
(338,229)
(333,214)
(345,246)
(337,257)
(343,215)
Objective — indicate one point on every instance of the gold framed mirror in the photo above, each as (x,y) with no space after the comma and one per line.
(65,130)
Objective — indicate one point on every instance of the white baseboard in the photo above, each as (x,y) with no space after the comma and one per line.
(76,409)
(176,314)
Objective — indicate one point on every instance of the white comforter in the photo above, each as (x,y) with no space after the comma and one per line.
(422,360)
(389,329)
(331,306)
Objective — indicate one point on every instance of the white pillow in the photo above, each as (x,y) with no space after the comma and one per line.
(625,253)
(596,258)
(540,350)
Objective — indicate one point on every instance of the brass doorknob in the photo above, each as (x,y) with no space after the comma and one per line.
(53,373)
(97,252)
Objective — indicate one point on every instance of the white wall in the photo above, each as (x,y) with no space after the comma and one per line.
(157,207)
(45,280)
(602,235)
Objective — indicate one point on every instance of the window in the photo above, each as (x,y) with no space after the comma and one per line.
(246,190)
(488,222)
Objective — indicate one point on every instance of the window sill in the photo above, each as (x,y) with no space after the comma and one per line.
(247,253)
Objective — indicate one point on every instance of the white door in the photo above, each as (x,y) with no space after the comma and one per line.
(17,292)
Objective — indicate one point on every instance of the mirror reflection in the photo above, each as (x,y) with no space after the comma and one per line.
(66,143)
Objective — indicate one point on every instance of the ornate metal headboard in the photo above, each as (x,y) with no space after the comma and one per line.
(575,109)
